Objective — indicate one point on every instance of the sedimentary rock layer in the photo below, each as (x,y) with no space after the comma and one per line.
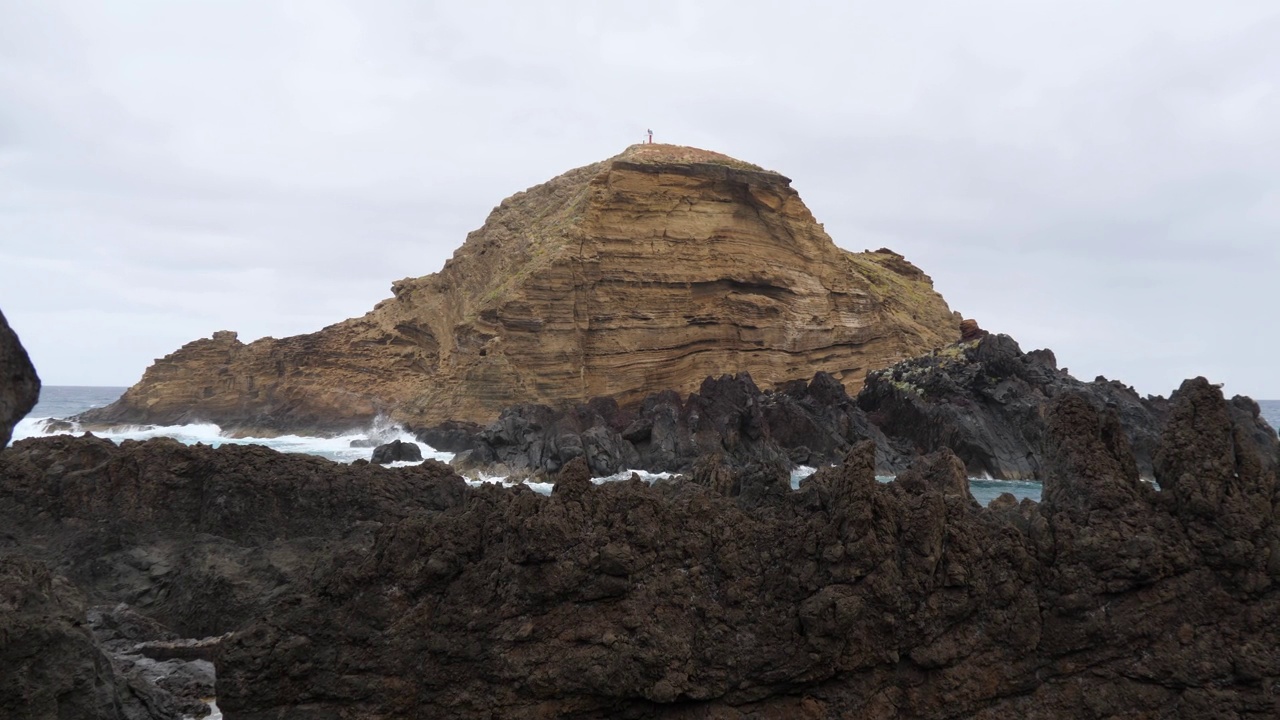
(847,598)
(646,272)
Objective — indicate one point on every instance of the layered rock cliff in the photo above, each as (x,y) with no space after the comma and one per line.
(649,271)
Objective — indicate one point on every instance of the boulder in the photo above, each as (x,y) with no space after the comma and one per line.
(397,451)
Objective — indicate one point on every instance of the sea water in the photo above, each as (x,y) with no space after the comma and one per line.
(63,401)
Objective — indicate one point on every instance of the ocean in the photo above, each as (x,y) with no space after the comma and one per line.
(63,401)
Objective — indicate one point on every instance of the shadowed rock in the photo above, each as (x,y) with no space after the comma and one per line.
(986,401)
(814,422)
(396,451)
(19,385)
(847,598)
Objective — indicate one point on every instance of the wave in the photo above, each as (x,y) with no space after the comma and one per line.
(358,445)
(349,447)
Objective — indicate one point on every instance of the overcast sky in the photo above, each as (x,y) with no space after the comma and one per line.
(1101,178)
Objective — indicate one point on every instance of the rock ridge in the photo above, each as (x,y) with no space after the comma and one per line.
(846,598)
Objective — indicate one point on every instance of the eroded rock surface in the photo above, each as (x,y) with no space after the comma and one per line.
(986,400)
(19,384)
(197,537)
(647,272)
(51,667)
(847,598)
(805,423)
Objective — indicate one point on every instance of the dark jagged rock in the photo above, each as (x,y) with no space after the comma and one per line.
(1218,462)
(986,400)
(811,422)
(173,681)
(19,384)
(847,598)
(51,666)
(197,537)
(395,451)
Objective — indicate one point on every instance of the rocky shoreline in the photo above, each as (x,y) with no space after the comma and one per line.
(982,398)
(846,597)
(322,590)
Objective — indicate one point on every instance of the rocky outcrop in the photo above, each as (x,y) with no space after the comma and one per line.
(175,685)
(847,598)
(986,400)
(983,399)
(646,272)
(19,384)
(729,417)
(397,451)
(198,538)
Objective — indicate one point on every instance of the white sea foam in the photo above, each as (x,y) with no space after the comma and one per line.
(338,448)
(799,474)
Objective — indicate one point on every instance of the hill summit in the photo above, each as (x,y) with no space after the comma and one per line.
(645,272)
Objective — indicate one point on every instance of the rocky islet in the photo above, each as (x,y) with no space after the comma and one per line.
(643,273)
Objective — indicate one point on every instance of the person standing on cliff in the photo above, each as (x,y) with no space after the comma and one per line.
(650,137)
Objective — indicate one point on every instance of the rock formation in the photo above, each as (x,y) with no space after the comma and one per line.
(195,537)
(800,422)
(646,272)
(51,667)
(19,384)
(985,400)
(396,450)
(847,598)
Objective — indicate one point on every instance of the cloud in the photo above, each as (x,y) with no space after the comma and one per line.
(1097,177)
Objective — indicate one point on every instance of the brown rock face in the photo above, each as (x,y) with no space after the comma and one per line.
(645,272)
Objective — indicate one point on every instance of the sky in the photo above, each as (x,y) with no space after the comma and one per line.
(1096,177)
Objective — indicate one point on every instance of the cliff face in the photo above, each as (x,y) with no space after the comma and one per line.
(646,272)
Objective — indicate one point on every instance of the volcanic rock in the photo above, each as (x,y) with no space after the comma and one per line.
(649,271)
(396,451)
(986,401)
(847,598)
(198,538)
(51,668)
(729,416)
(19,384)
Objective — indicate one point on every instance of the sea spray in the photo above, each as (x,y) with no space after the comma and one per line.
(59,402)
